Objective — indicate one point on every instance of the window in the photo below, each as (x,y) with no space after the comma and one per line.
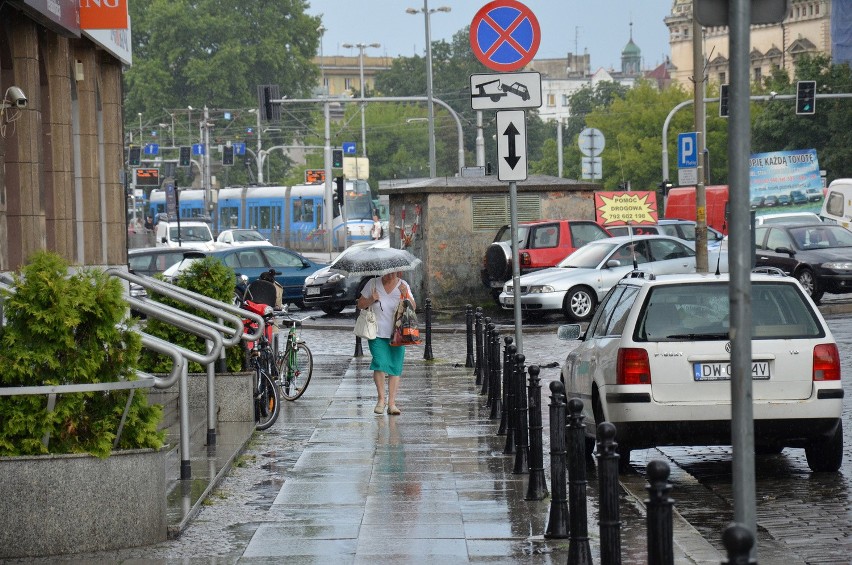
(722,77)
(551,100)
(347,83)
(778,238)
(757,74)
(491,212)
(834,206)
(581,234)
(565,100)
(545,236)
(280,258)
(663,250)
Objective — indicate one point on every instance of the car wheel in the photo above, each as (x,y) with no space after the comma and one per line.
(808,281)
(826,454)
(579,304)
(300,304)
(498,262)
(332,310)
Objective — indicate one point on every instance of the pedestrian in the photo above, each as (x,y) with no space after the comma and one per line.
(384,295)
(149,223)
(377,232)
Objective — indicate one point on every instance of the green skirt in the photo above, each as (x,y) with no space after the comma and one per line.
(386,358)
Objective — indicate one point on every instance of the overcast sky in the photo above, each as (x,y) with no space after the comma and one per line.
(602,26)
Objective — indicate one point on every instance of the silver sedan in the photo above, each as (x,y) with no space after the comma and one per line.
(578,283)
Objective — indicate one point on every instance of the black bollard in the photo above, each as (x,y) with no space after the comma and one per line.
(522,437)
(537,485)
(468,322)
(579,552)
(478,333)
(609,487)
(507,367)
(427,352)
(509,409)
(659,514)
(557,521)
(738,540)
(486,355)
(494,386)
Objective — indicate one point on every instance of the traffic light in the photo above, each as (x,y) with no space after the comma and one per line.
(134,158)
(228,155)
(337,158)
(805,97)
(723,101)
(185,159)
(338,190)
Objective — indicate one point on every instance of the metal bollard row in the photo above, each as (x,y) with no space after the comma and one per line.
(522,440)
(501,430)
(478,334)
(659,514)
(509,411)
(579,552)
(468,321)
(486,355)
(738,541)
(610,522)
(427,309)
(494,399)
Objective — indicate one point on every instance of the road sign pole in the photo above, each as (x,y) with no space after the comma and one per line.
(516,268)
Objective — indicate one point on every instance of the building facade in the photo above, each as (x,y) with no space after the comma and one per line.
(341,76)
(61,155)
(805,30)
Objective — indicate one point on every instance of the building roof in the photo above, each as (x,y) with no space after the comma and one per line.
(534,183)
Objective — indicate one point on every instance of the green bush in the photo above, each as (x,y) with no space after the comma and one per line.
(208,277)
(63,329)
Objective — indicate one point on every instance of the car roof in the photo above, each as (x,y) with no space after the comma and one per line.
(698,278)
(156,250)
(628,238)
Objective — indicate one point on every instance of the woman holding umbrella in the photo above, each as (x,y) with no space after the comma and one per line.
(384,295)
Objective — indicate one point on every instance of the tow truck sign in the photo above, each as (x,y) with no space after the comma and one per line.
(505,90)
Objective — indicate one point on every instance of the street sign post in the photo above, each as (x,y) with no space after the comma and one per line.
(348,147)
(591,142)
(511,145)
(592,167)
(505,91)
(356,168)
(504,35)
(687,150)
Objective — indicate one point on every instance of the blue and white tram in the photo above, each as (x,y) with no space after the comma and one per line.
(190,204)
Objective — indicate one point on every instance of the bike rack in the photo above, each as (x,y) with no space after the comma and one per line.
(226,331)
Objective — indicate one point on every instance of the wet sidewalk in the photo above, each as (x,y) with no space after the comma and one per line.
(429,486)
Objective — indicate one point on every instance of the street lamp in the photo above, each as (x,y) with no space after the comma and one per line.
(430,106)
(361,47)
(321,30)
(140,127)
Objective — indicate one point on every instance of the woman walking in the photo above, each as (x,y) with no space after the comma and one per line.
(383,296)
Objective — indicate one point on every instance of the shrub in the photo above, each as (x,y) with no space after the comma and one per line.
(208,277)
(63,329)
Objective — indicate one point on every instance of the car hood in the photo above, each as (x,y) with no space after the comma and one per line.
(825,255)
(321,276)
(556,276)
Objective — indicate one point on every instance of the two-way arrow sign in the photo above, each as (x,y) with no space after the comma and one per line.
(511,145)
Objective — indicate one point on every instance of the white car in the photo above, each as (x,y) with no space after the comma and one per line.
(788,218)
(578,283)
(232,237)
(656,362)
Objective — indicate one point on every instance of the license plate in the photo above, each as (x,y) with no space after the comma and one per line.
(722,371)
(509,301)
(312,291)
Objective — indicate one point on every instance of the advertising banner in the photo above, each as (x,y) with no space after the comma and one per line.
(785,181)
(622,208)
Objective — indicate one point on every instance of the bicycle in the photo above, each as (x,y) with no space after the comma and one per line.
(267,404)
(295,363)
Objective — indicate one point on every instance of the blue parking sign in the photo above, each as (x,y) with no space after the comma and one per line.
(348,147)
(687,150)
(198,149)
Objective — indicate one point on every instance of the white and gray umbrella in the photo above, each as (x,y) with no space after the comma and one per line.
(375,261)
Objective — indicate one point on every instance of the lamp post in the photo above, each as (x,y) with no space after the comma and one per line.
(361,47)
(140,127)
(429,104)
(321,30)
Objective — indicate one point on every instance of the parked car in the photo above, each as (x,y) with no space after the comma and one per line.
(784,200)
(818,255)
(787,218)
(656,362)
(332,291)
(149,261)
(814,194)
(241,237)
(684,229)
(186,233)
(771,201)
(577,284)
(291,268)
(541,244)
(757,202)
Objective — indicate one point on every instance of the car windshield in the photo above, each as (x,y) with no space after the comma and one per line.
(247,236)
(690,312)
(589,256)
(816,237)
(190,234)
(505,234)
(802,218)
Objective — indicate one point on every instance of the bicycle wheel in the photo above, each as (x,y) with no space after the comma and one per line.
(295,368)
(266,401)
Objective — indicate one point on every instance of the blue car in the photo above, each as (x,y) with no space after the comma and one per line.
(291,268)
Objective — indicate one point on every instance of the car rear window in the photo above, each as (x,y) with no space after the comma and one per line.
(702,312)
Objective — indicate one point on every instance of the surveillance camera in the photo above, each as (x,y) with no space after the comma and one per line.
(773,94)
(16,97)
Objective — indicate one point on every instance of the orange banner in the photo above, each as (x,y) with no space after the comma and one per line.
(103,14)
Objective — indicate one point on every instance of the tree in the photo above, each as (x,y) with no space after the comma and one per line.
(829,130)
(216,52)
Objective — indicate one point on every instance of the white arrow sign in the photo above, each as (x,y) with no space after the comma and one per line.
(511,145)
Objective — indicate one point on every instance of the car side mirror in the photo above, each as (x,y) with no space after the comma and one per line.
(164,240)
(786,250)
(569,332)
(612,263)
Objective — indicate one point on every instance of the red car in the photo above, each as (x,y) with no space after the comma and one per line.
(543,243)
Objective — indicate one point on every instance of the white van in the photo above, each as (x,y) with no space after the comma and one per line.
(837,206)
(193,235)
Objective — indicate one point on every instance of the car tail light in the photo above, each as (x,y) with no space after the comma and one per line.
(826,362)
(633,367)
(524,258)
